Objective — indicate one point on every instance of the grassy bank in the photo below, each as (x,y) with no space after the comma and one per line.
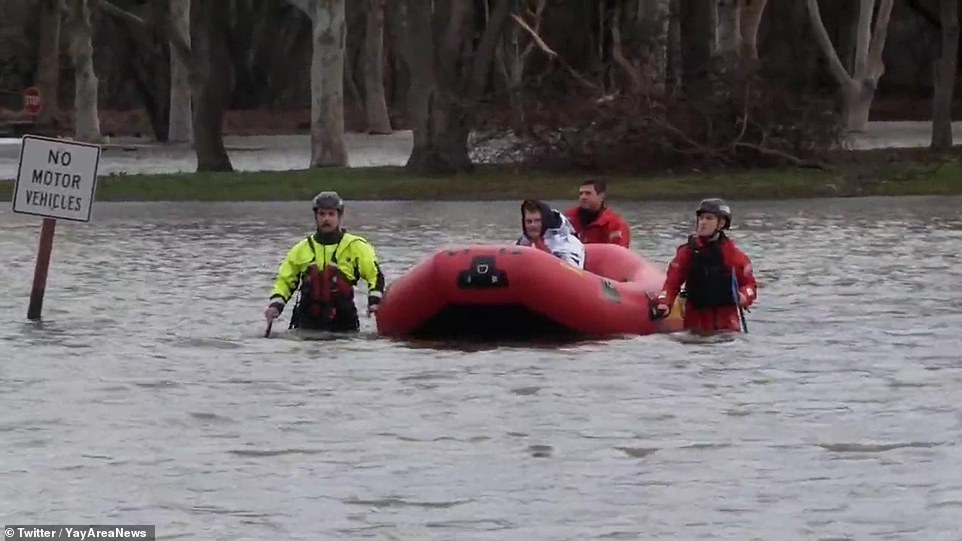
(889,172)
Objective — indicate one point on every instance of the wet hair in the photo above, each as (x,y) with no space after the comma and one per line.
(549,219)
(531,205)
(598,184)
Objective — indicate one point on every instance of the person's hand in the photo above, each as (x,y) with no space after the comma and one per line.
(372,309)
(660,311)
(271,313)
(742,300)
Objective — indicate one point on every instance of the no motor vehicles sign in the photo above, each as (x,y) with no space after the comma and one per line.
(56,179)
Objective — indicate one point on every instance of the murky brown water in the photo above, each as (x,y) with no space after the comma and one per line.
(149,396)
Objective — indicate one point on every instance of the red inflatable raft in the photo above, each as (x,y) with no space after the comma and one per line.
(520,292)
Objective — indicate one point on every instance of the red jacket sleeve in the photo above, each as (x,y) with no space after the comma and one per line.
(676,275)
(619,233)
(742,267)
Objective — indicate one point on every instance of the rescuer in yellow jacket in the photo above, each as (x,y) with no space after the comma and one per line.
(327,265)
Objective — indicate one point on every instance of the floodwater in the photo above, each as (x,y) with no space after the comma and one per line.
(247,153)
(148,394)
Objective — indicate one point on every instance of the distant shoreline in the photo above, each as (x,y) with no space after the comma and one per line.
(850,174)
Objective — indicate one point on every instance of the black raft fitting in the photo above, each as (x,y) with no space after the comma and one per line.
(482,273)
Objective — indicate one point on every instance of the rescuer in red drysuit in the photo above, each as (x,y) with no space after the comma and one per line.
(715,272)
(593,221)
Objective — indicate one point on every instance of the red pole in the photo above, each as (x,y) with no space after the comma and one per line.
(40,271)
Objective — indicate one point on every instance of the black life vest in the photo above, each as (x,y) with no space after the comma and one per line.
(709,281)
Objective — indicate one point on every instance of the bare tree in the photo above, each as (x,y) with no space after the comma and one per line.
(86,116)
(697,21)
(945,76)
(858,89)
(654,19)
(327,81)
(378,120)
(751,19)
(48,61)
(450,71)
(728,32)
(205,53)
(203,50)
(179,123)
(513,50)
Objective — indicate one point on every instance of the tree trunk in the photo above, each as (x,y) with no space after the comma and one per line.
(378,120)
(450,71)
(857,103)
(86,118)
(209,76)
(675,62)
(628,63)
(751,20)
(179,123)
(858,89)
(654,18)
(511,67)
(48,60)
(697,38)
(328,38)
(440,141)
(945,77)
(729,34)
(398,80)
(327,84)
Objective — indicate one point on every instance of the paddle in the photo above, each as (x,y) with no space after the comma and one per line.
(267,333)
(738,304)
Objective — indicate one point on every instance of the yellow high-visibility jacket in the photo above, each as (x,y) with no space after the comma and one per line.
(353,256)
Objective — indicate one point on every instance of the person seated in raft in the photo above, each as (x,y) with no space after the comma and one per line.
(327,264)
(593,221)
(547,229)
(716,273)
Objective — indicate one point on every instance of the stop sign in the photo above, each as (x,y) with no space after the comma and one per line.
(32,103)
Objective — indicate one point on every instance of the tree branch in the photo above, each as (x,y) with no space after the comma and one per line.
(122,14)
(863,34)
(876,65)
(537,16)
(489,42)
(555,56)
(303,5)
(834,64)
(179,43)
(924,13)
(618,54)
(452,41)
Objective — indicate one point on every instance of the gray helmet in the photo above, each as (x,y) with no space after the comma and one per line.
(718,207)
(330,201)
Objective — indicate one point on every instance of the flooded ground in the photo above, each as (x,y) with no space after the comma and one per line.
(283,152)
(148,394)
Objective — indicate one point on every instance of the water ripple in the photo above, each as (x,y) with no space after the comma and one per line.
(148,395)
